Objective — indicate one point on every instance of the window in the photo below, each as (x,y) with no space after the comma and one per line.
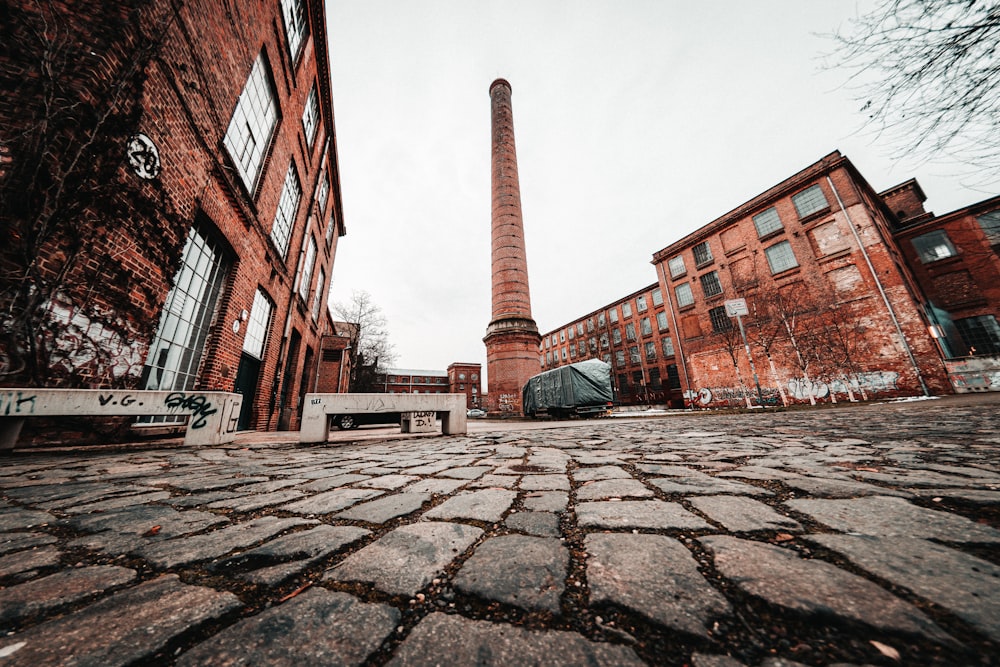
(626,309)
(330,226)
(767,222)
(572,351)
(602,321)
(809,201)
(616,336)
(619,358)
(562,336)
(654,378)
(593,344)
(571,333)
(710,285)
(548,343)
(260,320)
(579,328)
(720,321)
(590,325)
(673,377)
(318,296)
(252,125)
(934,246)
(668,346)
(780,257)
(633,354)
(613,315)
(605,343)
(685,297)
(630,331)
(564,354)
(582,346)
(555,341)
(702,254)
(676,266)
(176,351)
(606,358)
(646,327)
(990,223)
(640,303)
(310,117)
(651,350)
(288,207)
(306,269)
(548,358)
(657,297)
(661,321)
(981,334)
(322,192)
(296,25)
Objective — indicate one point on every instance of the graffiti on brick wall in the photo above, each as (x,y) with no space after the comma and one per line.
(872,382)
(734,396)
(507,402)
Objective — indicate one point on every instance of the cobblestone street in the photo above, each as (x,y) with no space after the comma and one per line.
(846,535)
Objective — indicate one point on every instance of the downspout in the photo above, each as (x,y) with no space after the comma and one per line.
(881,289)
(678,348)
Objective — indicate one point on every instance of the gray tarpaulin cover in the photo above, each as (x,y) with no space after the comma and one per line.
(584,383)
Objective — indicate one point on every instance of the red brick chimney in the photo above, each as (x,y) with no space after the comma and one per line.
(512,336)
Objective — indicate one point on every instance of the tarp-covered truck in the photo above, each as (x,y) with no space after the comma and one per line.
(583,388)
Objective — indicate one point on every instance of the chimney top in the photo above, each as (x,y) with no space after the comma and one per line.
(499,82)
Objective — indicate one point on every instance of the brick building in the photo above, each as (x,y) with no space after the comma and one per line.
(634,336)
(460,378)
(832,311)
(225,113)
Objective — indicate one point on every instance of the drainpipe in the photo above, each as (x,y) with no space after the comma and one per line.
(678,350)
(881,290)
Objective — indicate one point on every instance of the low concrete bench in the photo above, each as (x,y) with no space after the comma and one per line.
(319,408)
(213,414)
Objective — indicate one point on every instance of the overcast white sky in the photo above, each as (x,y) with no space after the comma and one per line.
(636,122)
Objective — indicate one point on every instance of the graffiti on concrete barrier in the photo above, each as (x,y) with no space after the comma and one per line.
(375,404)
(16,402)
(124,401)
(423,419)
(197,403)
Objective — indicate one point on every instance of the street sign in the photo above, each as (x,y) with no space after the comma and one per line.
(736,307)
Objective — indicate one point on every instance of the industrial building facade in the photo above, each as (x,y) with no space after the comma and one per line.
(459,378)
(231,135)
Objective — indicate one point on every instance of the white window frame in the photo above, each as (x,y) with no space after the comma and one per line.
(306,269)
(287,211)
(253,124)
(296,22)
(810,200)
(777,257)
(684,294)
(767,222)
(310,117)
(676,266)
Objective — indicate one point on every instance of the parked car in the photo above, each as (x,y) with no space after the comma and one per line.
(346,422)
(475,413)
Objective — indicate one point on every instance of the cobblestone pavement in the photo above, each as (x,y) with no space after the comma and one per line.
(833,536)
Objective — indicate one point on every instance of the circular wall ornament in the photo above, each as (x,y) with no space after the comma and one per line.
(143,156)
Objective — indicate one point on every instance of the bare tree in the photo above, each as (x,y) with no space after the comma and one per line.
(373,353)
(72,313)
(928,75)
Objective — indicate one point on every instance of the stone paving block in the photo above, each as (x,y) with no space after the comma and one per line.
(406,559)
(815,587)
(545,483)
(128,529)
(703,484)
(213,482)
(388,482)
(303,545)
(519,570)
(967,586)
(485,505)
(17,518)
(654,514)
(385,509)
(471,472)
(436,486)
(882,515)
(603,472)
(125,628)
(441,638)
(495,481)
(55,590)
(978,496)
(94,494)
(11,542)
(200,499)
(252,502)
(654,576)
(183,550)
(546,501)
(26,561)
(841,488)
(330,501)
(118,502)
(271,486)
(317,628)
(335,482)
(709,660)
(613,488)
(540,524)
(740,514)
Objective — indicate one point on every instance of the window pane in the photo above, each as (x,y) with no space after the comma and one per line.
(661,321)
(612,316)
(630,331)
(809,201)
(288,207)
(702,254)
(319,295)
(651,350)
(990,222)
(981,334)
(676,266)
(780,257)
(668,346)
(647,328)
(260,320)
(657,297)
(685,297)
(616,336)
(253,123)
(310,117)
(710,285)
(767,222)
(934,246)
(296,27)
(640,304)
(633,354)
(720,321)
(626,310)
(306,269)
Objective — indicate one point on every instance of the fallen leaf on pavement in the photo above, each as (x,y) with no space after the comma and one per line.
(885,650)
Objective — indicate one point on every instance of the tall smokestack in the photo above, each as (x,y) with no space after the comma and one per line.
(512,335)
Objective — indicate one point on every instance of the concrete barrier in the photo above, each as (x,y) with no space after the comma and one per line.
(213,415)
(319,408)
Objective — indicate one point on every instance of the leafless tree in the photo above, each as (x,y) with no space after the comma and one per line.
(927,73)
(373,353)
